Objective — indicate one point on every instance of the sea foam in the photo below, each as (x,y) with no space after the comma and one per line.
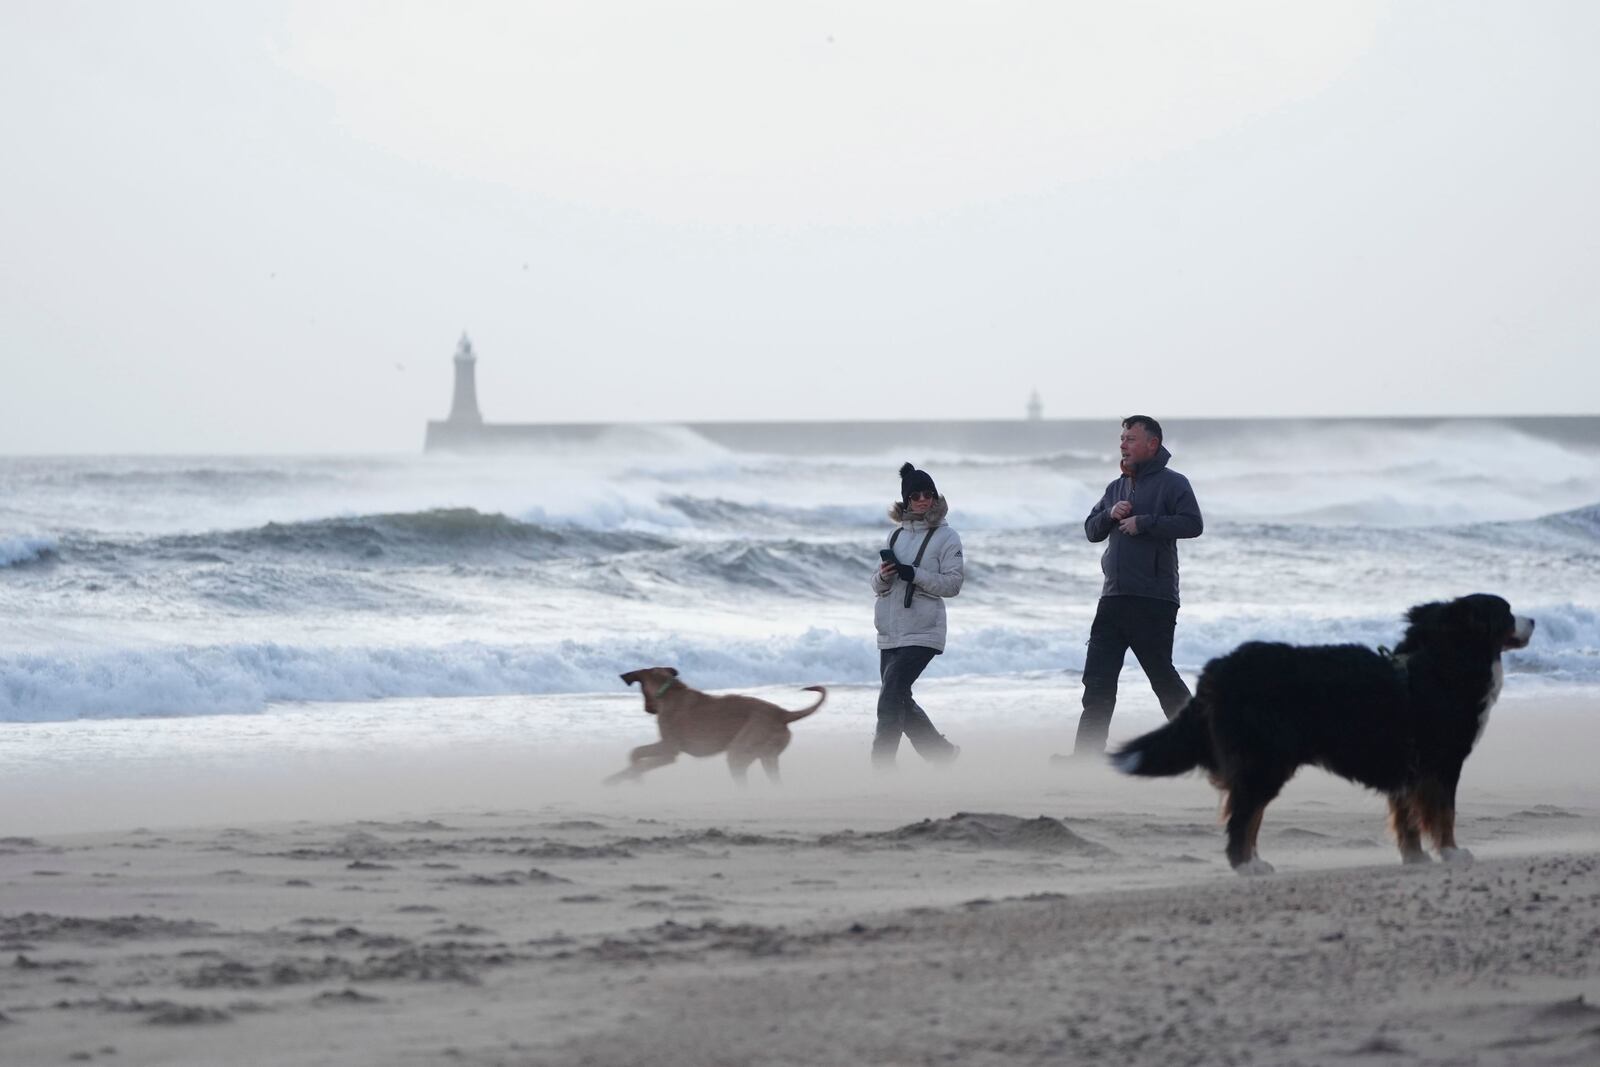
(249,677)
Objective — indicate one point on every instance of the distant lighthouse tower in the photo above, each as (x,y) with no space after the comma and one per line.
(1035,406)
(464,408)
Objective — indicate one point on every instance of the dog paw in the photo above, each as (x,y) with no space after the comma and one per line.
(1418,856)
(1253,868)
(1455,855)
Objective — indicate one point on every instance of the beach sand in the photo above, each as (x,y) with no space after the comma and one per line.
(493,904)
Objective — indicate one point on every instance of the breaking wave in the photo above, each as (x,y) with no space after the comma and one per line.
(19,551)
(246,678)
(438,535)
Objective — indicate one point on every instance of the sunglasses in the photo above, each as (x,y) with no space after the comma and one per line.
(920,494)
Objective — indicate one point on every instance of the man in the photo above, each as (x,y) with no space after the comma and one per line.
(1141,517)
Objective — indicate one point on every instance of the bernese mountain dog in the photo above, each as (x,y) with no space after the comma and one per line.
(1402,723)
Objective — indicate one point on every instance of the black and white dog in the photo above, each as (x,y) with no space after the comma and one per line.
(1402,724)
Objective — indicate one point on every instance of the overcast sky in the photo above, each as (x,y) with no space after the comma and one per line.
(247,226)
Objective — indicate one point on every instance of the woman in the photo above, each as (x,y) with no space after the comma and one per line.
(921,565)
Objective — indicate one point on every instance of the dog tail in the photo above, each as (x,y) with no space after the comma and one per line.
(1181,745)
(795,716)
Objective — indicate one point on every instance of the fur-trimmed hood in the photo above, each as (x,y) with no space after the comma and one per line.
(900,514)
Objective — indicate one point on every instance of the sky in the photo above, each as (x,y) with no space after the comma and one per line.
(262,227)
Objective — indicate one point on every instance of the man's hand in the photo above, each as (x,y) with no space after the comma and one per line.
(1121,510)
(1130,526)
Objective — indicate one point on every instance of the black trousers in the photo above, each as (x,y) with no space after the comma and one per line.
(899,714)
(1145,625)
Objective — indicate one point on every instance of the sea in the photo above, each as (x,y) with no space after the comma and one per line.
(282,592)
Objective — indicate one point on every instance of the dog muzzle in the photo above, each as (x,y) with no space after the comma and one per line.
(1521,633)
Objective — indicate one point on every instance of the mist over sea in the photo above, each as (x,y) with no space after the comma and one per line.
(133,587)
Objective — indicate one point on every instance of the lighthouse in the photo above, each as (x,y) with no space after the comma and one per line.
(464,408)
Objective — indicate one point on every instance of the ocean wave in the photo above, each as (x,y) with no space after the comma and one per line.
(790,566)
(247,678)
(20,551)
(183,478)
(201,478)
(440,534)
(1073,459)
(1572,531)
(264,589)
(1578,527)
(719,512)
(1583,522)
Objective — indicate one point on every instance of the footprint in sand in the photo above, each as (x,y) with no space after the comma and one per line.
(342,998)
(1545,811)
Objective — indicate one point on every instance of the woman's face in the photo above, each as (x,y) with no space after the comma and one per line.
(920,502)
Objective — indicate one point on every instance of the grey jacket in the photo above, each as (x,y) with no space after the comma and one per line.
(1145,564)
(939,576)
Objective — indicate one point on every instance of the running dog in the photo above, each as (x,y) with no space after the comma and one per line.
(699,724)
(1400,723)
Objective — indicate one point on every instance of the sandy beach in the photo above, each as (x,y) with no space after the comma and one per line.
(496,905)
(387,383)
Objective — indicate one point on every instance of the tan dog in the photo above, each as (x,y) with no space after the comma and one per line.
(699,724)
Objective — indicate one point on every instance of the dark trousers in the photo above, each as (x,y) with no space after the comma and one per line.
(1145,625)
(898,713)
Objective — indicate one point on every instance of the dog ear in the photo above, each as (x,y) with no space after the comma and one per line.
(1485,615)
(1424,624)
(630,677)
(1426,614)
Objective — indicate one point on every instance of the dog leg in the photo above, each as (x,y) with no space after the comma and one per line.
(1437,806)
(1255,865)
(740,757)
(1406,820)
(1244,822)
(754,741)
(769,757)
(1247,804)
(645,758)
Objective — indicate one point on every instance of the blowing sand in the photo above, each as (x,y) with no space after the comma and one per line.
(495,905)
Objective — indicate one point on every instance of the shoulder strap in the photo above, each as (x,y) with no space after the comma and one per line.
(895,536)
(911,589)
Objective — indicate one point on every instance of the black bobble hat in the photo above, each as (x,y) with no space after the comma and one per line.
(912,480)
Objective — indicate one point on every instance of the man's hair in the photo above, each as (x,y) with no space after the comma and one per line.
(1151,426)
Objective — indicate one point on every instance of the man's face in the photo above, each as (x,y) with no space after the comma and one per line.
(1138,445)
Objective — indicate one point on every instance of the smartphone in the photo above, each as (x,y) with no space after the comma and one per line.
(887,555)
